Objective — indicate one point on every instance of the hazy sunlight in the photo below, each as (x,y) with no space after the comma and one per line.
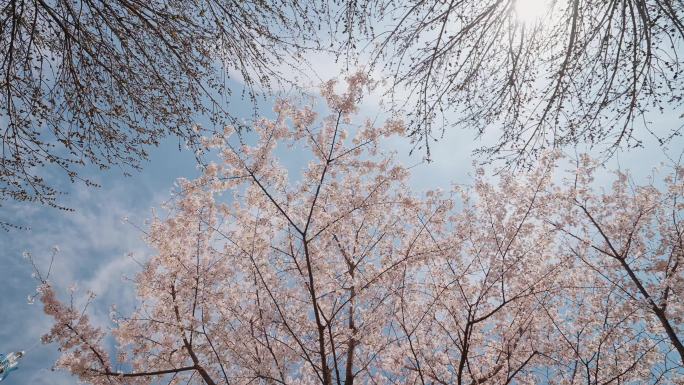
(532,11)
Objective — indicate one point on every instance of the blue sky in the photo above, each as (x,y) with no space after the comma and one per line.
(94,241)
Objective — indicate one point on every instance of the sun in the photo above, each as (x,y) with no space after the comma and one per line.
(531,12)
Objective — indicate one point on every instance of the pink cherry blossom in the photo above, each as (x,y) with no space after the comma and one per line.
(348,276)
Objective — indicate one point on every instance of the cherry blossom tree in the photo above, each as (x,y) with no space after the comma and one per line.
(627,250)
(343,275)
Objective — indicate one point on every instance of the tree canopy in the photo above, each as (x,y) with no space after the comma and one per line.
(348,276)
(98,82)
(575,71)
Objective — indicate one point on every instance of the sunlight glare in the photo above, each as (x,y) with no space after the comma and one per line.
(530,12)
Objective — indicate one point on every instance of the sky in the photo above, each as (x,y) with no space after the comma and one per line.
(97,249)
